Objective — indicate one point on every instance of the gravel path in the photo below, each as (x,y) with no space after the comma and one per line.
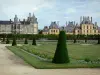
(11,64)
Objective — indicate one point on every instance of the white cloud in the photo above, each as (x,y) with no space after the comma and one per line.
(70,10)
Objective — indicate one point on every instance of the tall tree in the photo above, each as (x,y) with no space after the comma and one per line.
(61,53)
(98,39)
(26,42)
(14,41)
(34,41)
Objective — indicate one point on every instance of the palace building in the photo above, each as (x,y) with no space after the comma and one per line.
(86,27)
(27,26)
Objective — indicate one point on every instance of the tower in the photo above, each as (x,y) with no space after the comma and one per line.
(91,19)
(29,15)
(80,19)
(15,19)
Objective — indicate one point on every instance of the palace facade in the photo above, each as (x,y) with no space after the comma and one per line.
(27,26)
(86,27)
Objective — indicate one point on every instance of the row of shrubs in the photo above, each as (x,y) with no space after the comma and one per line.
(50,37)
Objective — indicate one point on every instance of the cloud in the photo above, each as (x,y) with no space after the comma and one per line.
(70,10)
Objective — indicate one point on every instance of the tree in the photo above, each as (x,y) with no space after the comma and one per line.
(34,41)
(14,41)
(75,39)
(26,42)
(98,39)
(61,53)
(85,38)
(3,40)
(7,41)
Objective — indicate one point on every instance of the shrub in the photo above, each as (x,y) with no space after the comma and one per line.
(87,59)
(74,39)
(98,39)
(61,54)
(7,41)
(34,41)
(14,41)
(26,42)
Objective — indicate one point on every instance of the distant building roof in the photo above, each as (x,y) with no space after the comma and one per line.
(5,22)
(53,25)
(45,29)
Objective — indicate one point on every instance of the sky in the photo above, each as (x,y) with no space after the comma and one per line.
(47,11)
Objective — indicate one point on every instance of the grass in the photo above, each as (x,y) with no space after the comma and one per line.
(47,49)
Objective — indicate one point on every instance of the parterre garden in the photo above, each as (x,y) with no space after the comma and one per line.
(81,55)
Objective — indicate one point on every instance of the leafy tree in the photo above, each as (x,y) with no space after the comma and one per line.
(34,41)
(14,41)
(26,42)
(61,53)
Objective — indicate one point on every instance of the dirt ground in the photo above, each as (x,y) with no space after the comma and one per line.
(11,64)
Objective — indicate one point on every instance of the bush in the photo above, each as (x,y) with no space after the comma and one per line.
(34,41)
(87,59)
(98,39)
(26,42)
(14,41)
(7,41)
(61,54)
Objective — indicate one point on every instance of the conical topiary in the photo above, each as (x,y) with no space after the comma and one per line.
(34,41)
(26,42)
(98,39)
(3,40)
(7,41)
(74,39)
(85,39)
(14,41)
(61,54)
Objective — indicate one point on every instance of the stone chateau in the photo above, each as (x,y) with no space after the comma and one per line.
(27,26)
(85,27)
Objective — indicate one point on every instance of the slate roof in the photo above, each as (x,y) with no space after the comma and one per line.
(5,22)
(53,25)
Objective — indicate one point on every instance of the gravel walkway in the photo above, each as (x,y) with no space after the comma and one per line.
(11,64)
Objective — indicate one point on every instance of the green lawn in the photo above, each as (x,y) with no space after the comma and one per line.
(46,50)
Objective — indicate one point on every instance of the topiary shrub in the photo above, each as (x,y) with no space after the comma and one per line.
(61,53)
(34,41)
(87,59)
(3,40)
(98,39)
(74,39)
(85,39)
(14,41)
(7,41)
(26,42)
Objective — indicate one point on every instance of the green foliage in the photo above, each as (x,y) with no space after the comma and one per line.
(61,54)
(7,41)
(34,41)
(75,37)
(85,39)
(26,42)
(14,41)
(98,39)
(87,59)
(4,36)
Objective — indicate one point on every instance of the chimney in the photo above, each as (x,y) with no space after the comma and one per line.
(66,23)
(74,22)
(10,20)
(95,23)
(80,19)
(29,15)
(91,19)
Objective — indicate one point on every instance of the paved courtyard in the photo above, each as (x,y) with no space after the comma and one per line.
(11,64)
